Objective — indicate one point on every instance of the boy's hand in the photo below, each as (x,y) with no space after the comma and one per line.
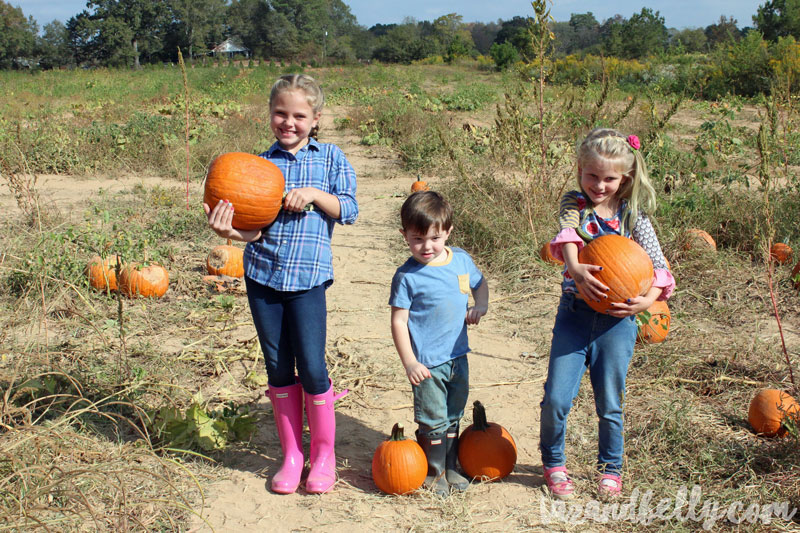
(475,313)
(417,373)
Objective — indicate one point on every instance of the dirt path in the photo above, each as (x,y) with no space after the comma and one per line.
(506,371)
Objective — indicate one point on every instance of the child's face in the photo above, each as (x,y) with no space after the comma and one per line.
(427,247)
(600,180)
(291,119)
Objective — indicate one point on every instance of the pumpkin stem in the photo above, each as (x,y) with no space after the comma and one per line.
(397,432)
(419,178)
(479,416)
(229,242)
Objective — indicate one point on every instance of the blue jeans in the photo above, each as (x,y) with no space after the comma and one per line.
(291,330)
(583,338)
(440,399)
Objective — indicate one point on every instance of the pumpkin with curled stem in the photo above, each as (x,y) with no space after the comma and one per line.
(627,269)
(137,281)
(102,272)
(252,184)
(399,465)
(419,185)
(486,450)
(769,410)
(781,253)
(226,260)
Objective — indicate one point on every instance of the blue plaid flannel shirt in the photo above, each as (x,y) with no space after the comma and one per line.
(294,252)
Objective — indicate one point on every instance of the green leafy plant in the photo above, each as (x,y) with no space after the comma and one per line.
(197,428)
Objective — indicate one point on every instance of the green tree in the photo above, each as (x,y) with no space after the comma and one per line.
(504,55)
(644,34)
(483,35)
(52,46)
(724,31)
(516,32)
(742,67)
(612,36)
(17,35)
(196,25)
(128,29)
(778,18)
(690,40)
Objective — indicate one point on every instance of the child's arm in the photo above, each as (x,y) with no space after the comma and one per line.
(481,296)
(220,219)
(415,370)
(582,273)
(634,306)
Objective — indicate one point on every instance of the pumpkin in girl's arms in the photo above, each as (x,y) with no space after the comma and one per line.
(627,269)
(781,253)
(399,465)
(486,450)
(654,323)
(769,410)
(252,184)
(547,256)
(143,281)
(102,272)
(698,240)
(419,185)
(226,260)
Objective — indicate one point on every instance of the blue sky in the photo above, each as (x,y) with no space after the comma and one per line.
(677,13)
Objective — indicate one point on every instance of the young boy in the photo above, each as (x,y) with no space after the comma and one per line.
(430,313)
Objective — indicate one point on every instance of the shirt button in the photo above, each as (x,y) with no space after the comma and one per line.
(280,268)
(284,242)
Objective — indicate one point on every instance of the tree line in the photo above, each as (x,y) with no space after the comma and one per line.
(117,33)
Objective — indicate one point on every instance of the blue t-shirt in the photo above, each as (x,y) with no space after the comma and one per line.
(437,296)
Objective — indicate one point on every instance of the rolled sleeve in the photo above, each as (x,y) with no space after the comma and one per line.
(344,188)
(665,281)
(564,236)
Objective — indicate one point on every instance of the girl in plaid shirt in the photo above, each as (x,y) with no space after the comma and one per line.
(288,267)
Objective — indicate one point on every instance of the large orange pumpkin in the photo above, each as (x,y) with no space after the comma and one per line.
(767,412)
(698,240)
(102,272)
(654,326)
(485,449)
(226,260)
(399,465)
(148,282)
(252,184)
(781,253)
(627,269)
(547,256)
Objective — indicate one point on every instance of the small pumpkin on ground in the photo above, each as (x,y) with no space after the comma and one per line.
(781,253)
(252,184)
(226,260)
(547,256)
(143,281)
(768,411)
(654,323)
(419,185)
(399,465)
(698,240)
(102,272)
(485,449)
(627,269)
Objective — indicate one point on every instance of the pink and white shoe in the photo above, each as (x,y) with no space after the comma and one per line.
(558,482)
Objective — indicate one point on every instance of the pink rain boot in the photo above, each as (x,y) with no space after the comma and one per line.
(322,425)
(287,405)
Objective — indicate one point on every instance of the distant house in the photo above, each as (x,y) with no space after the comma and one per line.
(230,47)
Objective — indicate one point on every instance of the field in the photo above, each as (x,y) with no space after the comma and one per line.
(149,414)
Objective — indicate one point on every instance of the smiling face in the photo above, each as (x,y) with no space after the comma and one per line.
(291,119)
(427,247)
(600,180)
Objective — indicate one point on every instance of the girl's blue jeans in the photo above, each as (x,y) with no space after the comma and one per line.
(291,329)
(584,338)
(440,399)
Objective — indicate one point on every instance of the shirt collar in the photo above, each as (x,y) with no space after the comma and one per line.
(313,144)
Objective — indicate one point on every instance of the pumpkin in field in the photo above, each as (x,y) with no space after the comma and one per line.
(627,269)
(485,449)
(781,253)
(768,410)
(252,184)
(419,185)
(547,256)
(654,323)
(399,465)
(143,281)
(226,260)
(102,272)
(698,240)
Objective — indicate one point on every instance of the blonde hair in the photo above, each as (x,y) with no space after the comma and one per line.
(304,83)
(612,147)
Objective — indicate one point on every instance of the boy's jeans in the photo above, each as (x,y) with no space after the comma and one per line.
(291,329)
(583,338)
(440,399)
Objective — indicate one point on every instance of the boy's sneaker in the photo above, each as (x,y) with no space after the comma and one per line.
(610,487)
(558,482)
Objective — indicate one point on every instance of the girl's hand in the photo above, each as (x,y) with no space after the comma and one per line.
(220,219)
(475,313)
(297,199)
(417,373)
(634,306)
(590,286)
